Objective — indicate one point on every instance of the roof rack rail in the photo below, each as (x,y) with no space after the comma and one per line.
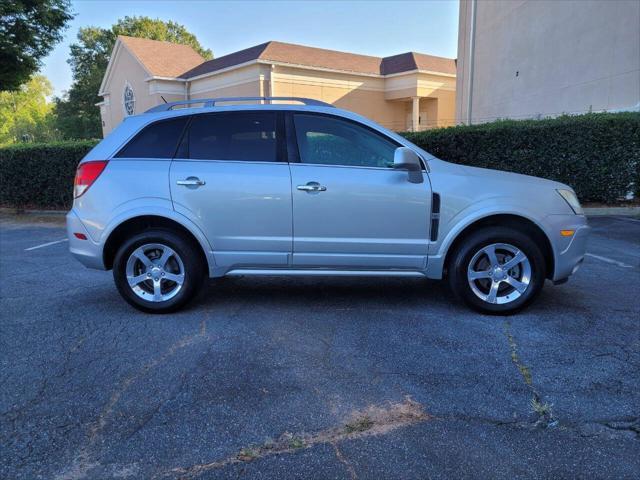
(211,102)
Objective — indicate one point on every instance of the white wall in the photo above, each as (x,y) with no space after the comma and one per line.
(128,71)
(546,57)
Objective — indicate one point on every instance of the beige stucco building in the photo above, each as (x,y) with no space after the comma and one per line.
(410,91)
(530,58)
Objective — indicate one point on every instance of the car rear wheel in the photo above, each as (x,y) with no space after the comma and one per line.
(497,270)
(158,271)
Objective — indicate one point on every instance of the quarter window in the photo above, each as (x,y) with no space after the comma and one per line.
(158,140)
(326,140)
(244,136)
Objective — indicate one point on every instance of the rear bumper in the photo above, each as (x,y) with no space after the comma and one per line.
(86,251)
(569,252)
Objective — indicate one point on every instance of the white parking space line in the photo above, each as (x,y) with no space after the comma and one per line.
(627,219)
(46,244)
(608,260)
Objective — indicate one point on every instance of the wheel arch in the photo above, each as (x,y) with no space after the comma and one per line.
(139,223)
(516,221)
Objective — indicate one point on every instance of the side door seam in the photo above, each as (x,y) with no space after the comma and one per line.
(292,156)
(183,135)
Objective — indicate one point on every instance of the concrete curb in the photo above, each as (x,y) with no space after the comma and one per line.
(611,211)
(13,211)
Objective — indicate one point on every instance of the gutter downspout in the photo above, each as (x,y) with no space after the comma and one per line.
(472,43)
(271,69)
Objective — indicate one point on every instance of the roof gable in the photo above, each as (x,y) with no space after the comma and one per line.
(162,59)
(226,61)
(406,62)
(398,63)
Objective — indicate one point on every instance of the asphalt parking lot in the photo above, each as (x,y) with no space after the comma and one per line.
(316,378)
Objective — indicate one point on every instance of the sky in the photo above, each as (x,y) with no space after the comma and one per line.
(371,27)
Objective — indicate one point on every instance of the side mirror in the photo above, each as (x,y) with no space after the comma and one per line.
(406,159)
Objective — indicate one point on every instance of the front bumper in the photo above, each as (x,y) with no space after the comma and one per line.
(569,252)
(86,251)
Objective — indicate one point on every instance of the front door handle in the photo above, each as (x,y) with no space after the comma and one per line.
(191,182)
(312,187)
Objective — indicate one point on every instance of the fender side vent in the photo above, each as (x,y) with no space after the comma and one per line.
(435,216)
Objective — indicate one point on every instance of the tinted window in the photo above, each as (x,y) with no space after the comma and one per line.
(249,136)
(331,141)
(158,140)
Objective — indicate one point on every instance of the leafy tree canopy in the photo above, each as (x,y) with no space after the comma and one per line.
(28,31)
(25,114)
(156,29)
(78,117)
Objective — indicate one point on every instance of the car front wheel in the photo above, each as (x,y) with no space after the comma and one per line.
(158,271)
(497,270)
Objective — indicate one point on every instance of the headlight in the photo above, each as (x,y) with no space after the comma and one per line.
(570,197)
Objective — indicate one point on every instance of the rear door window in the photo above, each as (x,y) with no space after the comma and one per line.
(242,136)
(158,140)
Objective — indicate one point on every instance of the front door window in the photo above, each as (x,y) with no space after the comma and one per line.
(324,140)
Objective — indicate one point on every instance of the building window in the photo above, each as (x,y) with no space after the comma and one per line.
(129,100)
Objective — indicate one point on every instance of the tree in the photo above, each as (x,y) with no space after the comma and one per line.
(77,115)
(28,31)
(156,29)
(25,114)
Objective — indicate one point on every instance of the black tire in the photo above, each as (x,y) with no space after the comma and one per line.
(192,264)
(467,249)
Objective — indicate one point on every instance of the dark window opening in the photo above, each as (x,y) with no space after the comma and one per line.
(243,136)
(328,140)
(158,140)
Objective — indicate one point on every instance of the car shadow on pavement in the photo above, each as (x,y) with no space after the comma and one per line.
(377,293)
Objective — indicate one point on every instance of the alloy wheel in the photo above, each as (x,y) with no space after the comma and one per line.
(499,273)
(155,272)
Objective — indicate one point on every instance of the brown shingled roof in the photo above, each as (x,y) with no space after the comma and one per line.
(220,63)
(319,57)
(162,59)
(329,59)
(405,62)
(435,64)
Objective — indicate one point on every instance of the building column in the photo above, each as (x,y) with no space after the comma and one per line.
(415,114)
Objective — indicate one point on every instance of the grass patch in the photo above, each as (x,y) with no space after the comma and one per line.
(361,424)
(542,409)
(296,442)
(248,454)
(374,420)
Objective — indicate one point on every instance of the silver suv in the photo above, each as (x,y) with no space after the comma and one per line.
(215,187)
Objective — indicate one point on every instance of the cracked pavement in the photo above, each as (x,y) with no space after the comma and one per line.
(263,377)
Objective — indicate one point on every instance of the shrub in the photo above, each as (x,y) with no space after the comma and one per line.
(597,154)
(40,175)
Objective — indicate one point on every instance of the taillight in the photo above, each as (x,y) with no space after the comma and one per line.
(86,174)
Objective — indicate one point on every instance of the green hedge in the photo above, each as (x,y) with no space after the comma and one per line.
(597,154)
(40,175)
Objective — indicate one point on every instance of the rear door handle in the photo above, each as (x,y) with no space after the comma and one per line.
(191,182)
(312,187)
